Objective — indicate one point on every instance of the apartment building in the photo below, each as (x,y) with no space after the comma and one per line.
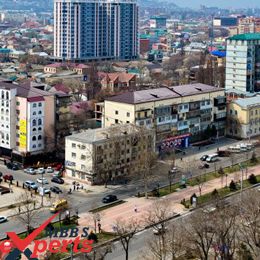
(243,63)
(244,117)
(27,120)
(249,25)
(95,30)
(112,151)
(177,114)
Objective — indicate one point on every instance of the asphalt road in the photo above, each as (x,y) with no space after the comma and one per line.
(85,201)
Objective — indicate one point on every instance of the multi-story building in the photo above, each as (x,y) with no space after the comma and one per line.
(225,21)
(158,22)
(244,117)
(243,63)
(249,25)
(95,30)
(175,113)
(114,151)
(27,120)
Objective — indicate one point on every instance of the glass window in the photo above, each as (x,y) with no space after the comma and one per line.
(40,104)
(128,114)
(73,145)
(39,137)
(34,122)
(39,121)
(34,138)
(116,112)
(34,129)
(34,105)
(73,155)
(83,157)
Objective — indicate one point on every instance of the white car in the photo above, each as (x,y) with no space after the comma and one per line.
(3,219)
(42,191)
(49,170)
(40,171)
(42,180)
(30,170)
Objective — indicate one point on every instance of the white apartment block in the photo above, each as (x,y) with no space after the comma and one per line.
(243,63)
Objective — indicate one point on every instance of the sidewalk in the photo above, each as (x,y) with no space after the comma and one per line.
(126,211)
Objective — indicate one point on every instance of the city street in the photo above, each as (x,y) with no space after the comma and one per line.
(84,201)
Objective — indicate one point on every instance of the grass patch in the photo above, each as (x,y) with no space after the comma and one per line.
(107,206)
(105,236)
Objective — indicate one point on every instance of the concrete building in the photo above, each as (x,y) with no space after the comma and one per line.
(104,154)
(244,117)
(27,120)
(249,25)
(243,63)
(177,114)
(225,21)
(95,30)
(158,22)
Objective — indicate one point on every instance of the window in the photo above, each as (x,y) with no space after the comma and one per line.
(39,129)
(40,104)
(7,137)
(34,129)
(34,105)
(230,112)
(128,114)
(39,121)
(127,122)
(235,112)
(34,113)
(83,157)
(34,138)
(116,121)
(73,155)
(34,146)
(116,112)
(39,145)
(34,122)
(18,103)
(256,112)
(73,145)
(83,167)
(39,137)
(40,112)
(7,95)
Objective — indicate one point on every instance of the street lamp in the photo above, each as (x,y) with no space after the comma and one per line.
(241,185)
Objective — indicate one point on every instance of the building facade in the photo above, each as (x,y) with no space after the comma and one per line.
(176,114)
(27,120)
(100,155)
(249,25)
(95,30)
(244,117)
(243,63)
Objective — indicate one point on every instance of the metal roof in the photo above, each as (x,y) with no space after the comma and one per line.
(248,102)
(245,37)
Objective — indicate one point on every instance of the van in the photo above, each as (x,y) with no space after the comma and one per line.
(234,149)
(59,205)
(212,158)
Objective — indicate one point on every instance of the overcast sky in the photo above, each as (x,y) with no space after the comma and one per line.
(219,3)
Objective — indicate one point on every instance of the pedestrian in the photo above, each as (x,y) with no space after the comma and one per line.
(74,187)
(82,187)
(181,158)
(19,209)
(135,209)
(77,187)
(99,227)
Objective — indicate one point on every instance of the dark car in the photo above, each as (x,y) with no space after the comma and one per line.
(57,180)
(8,177)
(204,166)
(12,166)
(204,157)
(109,198)
(56,189)
(1,174)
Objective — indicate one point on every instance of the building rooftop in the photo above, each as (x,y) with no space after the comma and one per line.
(92,136)
(245,37)
(248,102)
(150,95)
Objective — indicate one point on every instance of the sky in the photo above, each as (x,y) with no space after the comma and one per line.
(219,3)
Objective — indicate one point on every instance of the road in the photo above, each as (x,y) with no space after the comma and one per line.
(83,202)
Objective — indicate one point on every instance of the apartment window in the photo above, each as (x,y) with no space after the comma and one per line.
(83,167)
(7,137)
(18,112)
(34,146)
(17,135)
(116,121)
(83,157)
(73,145)
(236,112)
(145,114)
(34,122)
(251,113)
(39,121)
(256,112)
(39,145)
(40,104)
(18,103)
(34,138)
(73,155)
(128,114)
(116,112)
(40,112)
(39,137)
(34,113)
(127,122)
(231,112)
(34,105)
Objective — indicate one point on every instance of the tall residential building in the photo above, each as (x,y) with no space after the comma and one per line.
(177,114)
(27,118)
(243,63)
(95,30)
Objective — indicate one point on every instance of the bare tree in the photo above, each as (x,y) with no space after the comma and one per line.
(76,87)
(250,228)
(98,253)
(26,213)
(200,181)
(199,234)
(126,231)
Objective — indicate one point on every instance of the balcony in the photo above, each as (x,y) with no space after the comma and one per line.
(182,125)
(166,119)
(220,101)
(220,117)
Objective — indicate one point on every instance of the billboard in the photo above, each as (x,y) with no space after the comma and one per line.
(23,134)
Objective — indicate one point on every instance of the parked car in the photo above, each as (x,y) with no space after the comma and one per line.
(42,180)
(174,170)
(204,157)
(57,180)
(56,189)
(109,198)
(3,219)
(31,185)
(8,177)
(43,190)
(49,170)
(212,158)
(4,190)
(30,170)
(12,166)
(40,171)
(58,167)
